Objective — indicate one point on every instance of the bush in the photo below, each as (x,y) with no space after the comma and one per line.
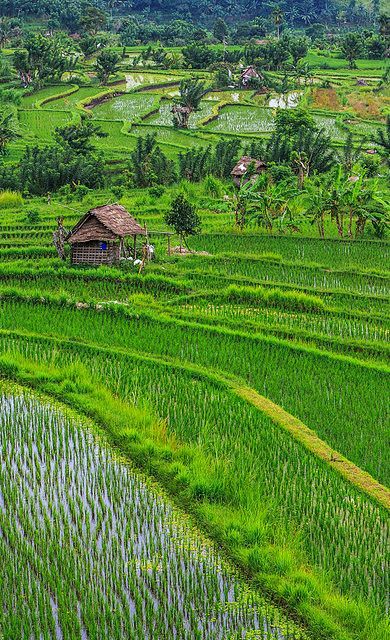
(280,173)
(157,191)
(10,199)
(371,165)
(32,217)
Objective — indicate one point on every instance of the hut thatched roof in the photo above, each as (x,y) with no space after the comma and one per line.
(250,72)
(242,166)
(107,222)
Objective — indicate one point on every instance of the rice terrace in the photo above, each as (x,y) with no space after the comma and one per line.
(194,320)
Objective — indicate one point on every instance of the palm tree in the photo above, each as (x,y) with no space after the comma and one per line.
(312,152)
(368,203)
(383,141)
(191,93)
(317,199)
(278,17)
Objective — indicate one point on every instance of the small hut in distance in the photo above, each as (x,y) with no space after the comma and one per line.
(239,172)
(248,74)
(99,237)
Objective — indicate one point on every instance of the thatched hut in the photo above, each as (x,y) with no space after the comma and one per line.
(99,237)
(239,172)
(248,75)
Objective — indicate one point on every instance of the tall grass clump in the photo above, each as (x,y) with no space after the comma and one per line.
(10,199)
(292,300)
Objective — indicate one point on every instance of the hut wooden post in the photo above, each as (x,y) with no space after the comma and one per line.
(135,247)
(169,244)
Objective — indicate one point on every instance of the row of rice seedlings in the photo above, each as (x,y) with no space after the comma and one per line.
(29,100)
(127,107)
(282,491)
(327,324)
(27,233)
(297,275)
(72,100)
(337,298)
(334,253)
(98,284)
(341,399)
(27,253)
(113,284)
(41,124)
(91,550)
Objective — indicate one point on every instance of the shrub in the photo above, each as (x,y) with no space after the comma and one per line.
(32,217)
(157,191)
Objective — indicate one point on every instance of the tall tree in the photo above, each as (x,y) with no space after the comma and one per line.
(352,47)
(278,18)
(149,165)
(43,58)
(298,48)
(220,30)
(92,20)
(78,137)
(106,64)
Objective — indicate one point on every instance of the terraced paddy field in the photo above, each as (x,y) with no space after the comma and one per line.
(101,552)
(147,96)
(249,378)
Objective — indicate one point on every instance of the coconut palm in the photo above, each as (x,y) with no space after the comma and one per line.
(191,94)
(278,18)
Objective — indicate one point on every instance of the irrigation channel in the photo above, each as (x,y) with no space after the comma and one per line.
(92,549)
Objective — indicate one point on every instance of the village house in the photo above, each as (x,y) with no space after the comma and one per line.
(99,237)
(239,172)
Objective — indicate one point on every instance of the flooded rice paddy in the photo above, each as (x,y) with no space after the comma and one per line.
(91,549)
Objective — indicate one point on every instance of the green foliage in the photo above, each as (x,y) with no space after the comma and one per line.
(78,137)
(92,19)
(106,64)
(195,164)
(46,170)
(8,132)
(298,48)
(149,166)
(183,218)
(198,56)
(220,30)
(351,47)
(43,58)
(32,217)
(383,142)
